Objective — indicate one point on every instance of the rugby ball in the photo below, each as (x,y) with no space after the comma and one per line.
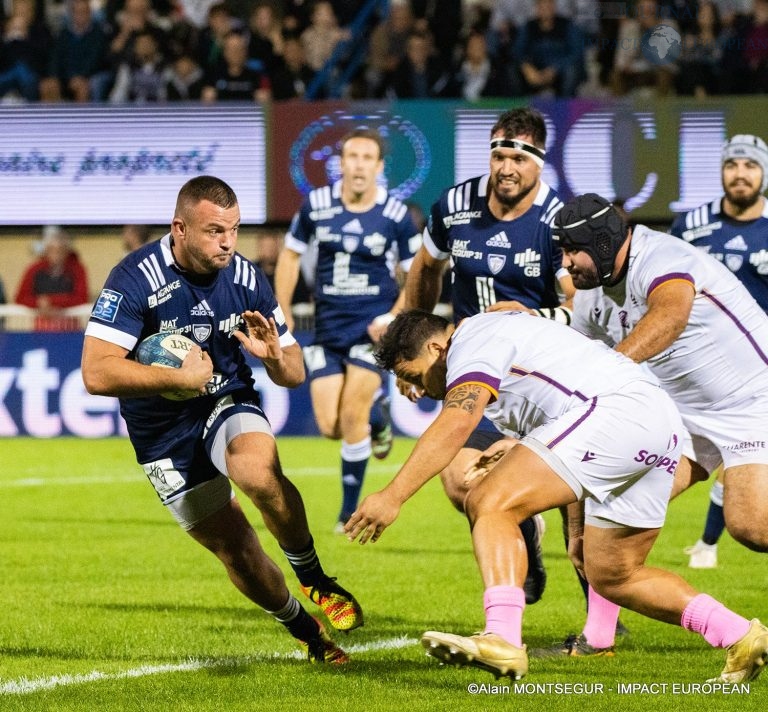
(166,351)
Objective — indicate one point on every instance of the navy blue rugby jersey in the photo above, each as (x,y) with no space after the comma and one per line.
(495,260)
(357,254)
(742,246)
(147,293)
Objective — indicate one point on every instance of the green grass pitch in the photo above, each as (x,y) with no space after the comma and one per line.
(105,604)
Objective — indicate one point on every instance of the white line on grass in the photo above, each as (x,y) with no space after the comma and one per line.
(120,479)
(25,686)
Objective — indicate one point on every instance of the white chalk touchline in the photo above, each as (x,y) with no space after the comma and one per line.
(389,468)
(25,686)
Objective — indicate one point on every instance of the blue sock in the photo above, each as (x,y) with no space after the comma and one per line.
(354,460)
(379,417)
(715,523)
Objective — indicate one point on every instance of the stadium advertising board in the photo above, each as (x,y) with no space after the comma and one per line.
(42,395)
(111,165)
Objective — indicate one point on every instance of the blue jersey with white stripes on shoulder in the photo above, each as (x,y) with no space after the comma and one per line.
(495,260)
(741,245)
(147,293)
(357,254)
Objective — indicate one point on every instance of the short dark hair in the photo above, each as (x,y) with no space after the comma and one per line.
(406,335)
(521,122)
(364,132)
(208,188)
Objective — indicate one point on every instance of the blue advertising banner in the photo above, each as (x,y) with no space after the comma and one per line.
(42,395)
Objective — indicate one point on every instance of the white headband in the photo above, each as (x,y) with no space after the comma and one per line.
(750,147)
(536,153)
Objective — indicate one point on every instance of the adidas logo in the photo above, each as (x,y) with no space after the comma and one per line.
(736,243)
(353,226)
(201,309)
(499,240)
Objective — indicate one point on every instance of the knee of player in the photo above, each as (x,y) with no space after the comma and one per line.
(752,533)
(484,499)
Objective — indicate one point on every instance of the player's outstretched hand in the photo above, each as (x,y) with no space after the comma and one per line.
(260,337)
(196,370)
(375,513)
(485,461)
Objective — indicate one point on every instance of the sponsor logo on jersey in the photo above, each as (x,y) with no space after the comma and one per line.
(701,231)
(734,262)
(107,305)
(168,324)
(461,218)
(201,332)
(324,213)
(499,240)
(589,456)
(624,319)
(736,243)
(662,462)
(323,234)
(460,249)
(760,261)
(163,294)
(376,243)
(353,226)
(201,309)
(530,261)
(163,476)
(747,446)
(350,243)
(496,263)
(231,324)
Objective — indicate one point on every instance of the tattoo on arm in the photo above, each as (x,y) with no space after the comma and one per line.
(463,397)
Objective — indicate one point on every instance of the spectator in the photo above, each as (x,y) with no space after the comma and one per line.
(136,17)
(141,79)
(550,49)
(183,79)
(700,62)
(235,79)
(420,74)
(292,75)
(388,44)
(135,236)
(322,35)
(54,282)
(211,42)
(24,52)
(266,43)
(78,66)
(478,74)
(443,22)
(631,70)
(756,47)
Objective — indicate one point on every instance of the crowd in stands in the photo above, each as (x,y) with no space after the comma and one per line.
(213,50)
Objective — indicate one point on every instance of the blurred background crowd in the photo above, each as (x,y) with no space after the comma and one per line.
(141,51)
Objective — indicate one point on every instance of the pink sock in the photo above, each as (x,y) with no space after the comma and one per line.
(719,626)
(504,612)
(602,616)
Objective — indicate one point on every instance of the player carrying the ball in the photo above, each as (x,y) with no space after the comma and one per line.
(193,282)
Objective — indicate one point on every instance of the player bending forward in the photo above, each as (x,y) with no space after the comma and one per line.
(594,426)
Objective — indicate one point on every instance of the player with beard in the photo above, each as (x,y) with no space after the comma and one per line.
(496,231)
(734,229)
(666,304)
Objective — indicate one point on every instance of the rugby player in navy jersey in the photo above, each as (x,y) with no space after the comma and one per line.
(496,231)
(360,234)
(193,282)
(734,229)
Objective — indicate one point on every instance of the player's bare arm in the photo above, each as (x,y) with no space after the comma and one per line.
(669,308)
(433,452)
(261,339)
(424,281)
(286,278)
(107,372)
